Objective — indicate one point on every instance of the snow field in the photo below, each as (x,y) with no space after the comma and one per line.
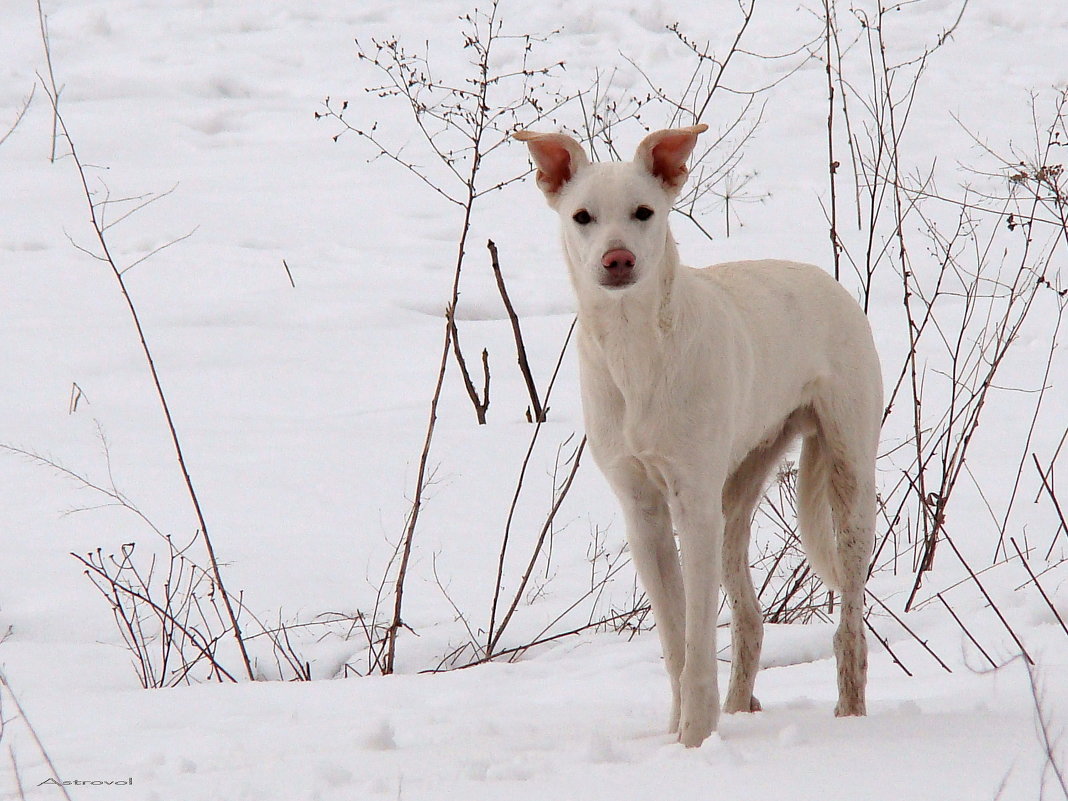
(302,412)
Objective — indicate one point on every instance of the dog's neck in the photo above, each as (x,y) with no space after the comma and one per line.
(650,306)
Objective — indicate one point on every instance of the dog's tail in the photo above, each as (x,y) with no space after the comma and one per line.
(814,519)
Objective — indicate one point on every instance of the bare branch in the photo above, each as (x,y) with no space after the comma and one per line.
(19,115)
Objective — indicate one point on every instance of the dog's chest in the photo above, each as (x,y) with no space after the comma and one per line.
(639,404)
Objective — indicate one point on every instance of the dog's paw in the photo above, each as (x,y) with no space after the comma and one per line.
(733,706)
(850,709)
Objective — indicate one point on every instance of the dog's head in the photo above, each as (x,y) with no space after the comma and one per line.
(614,215)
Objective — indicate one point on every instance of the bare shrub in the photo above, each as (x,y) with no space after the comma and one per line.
(704,94)
(98,207)
(169,614)
(971,269)
(461,121)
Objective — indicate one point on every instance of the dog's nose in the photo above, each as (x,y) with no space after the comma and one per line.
(618,260)
(618,268)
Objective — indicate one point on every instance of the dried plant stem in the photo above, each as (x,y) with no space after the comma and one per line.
(832,163)
(989,600)
(1044,725)
(461,122)
(1043,386)
(964,628)
(1045,476)
(15,772)
(747,17)
(390,646)
(106,257)
(481,404)
(536,413)
(33,733)
(914,635)
(886,645)
(1041,591)
(50,88)
(19,114)
(542,640)
(495,636)
(506,537)
(109,491)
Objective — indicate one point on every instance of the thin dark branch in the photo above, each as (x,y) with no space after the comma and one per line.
(495,636)
(480,404)
(397,621)
(886,645)
(33,733)
(913,634)
(1044,725)
(19,115)
(50,88)
(538,414)
(154,251)
(1044,475)
(505,539)
(964,628)
(1034,580)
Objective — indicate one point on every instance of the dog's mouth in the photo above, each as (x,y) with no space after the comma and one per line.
(617,281)
(618,268)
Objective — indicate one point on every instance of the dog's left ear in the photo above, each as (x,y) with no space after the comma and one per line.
(557,156)
(664,154)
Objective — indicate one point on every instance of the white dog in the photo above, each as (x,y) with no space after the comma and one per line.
(694,384)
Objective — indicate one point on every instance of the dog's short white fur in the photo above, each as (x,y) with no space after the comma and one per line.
(694,384)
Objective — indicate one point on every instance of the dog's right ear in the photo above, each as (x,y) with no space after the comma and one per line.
(664,154)
(558,158)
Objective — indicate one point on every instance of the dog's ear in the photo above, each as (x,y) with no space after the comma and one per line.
(558,158)
(664,154)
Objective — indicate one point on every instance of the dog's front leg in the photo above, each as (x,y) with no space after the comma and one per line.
(698,517)
(652,547)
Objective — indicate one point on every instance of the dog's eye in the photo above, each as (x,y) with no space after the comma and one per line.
(582,217)
(643,213)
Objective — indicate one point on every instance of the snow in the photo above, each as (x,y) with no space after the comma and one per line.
(302,411)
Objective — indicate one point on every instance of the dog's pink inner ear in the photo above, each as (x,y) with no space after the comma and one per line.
(664,153)
(669,158)
(554,164)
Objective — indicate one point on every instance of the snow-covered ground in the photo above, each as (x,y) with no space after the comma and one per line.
(302,411)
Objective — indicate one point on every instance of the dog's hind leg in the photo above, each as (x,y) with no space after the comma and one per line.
(741,494)
(853,502)
(747,629)
(847,443)
(652,547)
